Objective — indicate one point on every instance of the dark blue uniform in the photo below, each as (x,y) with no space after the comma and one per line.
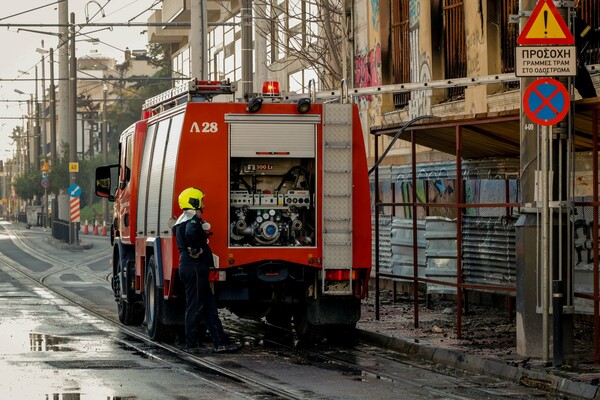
(195,259)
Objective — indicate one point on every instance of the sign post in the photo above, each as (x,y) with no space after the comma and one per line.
(546,49)
(74,191)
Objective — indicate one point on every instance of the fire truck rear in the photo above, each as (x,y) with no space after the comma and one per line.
(286,192)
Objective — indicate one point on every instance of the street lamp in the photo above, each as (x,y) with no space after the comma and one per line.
(19,92)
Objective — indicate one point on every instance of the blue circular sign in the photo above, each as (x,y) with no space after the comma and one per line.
(546,101)
(74,190)
(45,183)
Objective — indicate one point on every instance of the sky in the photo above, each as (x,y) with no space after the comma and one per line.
(18,47)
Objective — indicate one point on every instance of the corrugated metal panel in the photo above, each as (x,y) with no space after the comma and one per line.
(441,253)
(385,246)
(168,180)
(489,251)
(143,189)
(402,247)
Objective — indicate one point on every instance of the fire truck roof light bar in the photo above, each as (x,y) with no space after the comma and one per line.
(191,88)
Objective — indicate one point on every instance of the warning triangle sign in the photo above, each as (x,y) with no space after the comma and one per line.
(546,26)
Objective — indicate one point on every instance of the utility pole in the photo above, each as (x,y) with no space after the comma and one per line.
(544,225)
(36,129)
(260,44)
(104,146)
(62,133)
(246,14)
(72,120)
(52,111)
(44,137)
(198,38)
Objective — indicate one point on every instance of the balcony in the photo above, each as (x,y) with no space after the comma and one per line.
(179,11)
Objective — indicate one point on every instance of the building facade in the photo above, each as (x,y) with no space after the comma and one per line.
(452,61)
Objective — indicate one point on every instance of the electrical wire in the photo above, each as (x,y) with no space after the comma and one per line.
(146,10)
(33,9)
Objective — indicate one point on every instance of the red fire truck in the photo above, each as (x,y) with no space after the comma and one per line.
(286,192)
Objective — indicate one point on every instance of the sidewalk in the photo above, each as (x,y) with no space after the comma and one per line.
(488,339)
(487,347)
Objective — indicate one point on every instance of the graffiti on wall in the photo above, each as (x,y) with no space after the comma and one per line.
(367,72)
(375,14)
(437,186)
(367,67)
(584,244)
(414,10)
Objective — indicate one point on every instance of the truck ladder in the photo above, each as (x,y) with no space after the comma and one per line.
(189,91)
(337,196)
(344,93)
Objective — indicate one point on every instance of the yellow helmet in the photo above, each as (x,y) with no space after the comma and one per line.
(191,198)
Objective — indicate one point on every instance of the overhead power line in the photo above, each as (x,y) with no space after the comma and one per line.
(115,25)
(98,79)
(33,9)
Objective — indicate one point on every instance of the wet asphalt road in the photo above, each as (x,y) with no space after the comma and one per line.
(51,348)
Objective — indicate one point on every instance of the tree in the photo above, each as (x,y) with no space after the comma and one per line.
(128,109)
(310,34)
(28,186)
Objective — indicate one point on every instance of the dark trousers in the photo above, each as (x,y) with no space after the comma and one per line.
(200,304)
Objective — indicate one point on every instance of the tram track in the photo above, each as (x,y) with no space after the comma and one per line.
(361,361)
(137,334)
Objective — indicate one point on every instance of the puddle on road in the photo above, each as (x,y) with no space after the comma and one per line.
(23,335)
(42,342)
(18,336)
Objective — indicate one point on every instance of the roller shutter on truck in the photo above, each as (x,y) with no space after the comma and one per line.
(155,203)
(273,133)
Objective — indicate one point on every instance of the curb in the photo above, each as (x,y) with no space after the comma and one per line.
(453,358)
(66,246)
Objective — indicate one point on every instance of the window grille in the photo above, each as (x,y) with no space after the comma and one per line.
(455,65)
(401,50)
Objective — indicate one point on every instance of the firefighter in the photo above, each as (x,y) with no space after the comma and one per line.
(195,260)
(584,36)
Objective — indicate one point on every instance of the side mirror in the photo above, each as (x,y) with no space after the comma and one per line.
(104,181)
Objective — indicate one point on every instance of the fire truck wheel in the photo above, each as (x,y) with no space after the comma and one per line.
(307,332)
(130,313)
(156,329)
(279,316)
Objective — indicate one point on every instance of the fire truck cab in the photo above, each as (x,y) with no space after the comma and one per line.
(286,192)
